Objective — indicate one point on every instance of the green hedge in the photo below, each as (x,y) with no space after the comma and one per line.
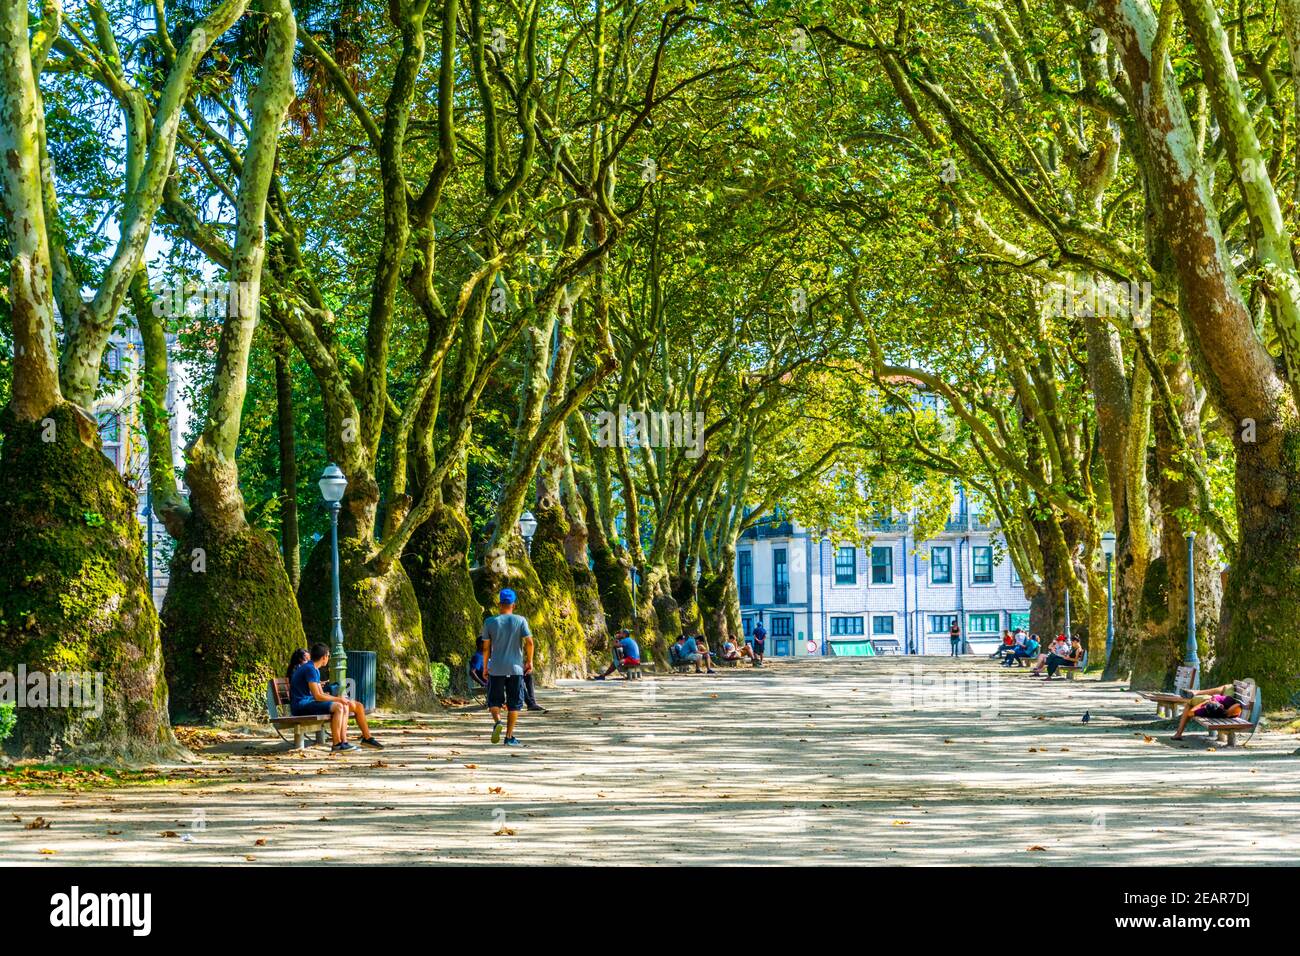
(8,718)
(441,677)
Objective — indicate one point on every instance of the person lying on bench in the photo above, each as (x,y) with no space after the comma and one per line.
(1217,703)
(307,697)
(477,666)
(1022,652)
(1070,658)
(631,654)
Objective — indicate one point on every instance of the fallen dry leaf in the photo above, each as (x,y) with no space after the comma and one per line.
(170,833)
(504,831)
(40,823)
(261,842)
(495,790)
(1037,849)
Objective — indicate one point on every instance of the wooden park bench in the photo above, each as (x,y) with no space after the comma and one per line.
(277,710)
(1167,702)
(1227,728)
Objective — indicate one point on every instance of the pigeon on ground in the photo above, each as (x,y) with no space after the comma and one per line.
(1087,716)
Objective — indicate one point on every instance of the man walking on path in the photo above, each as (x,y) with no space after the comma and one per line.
(954,637)
(508,647)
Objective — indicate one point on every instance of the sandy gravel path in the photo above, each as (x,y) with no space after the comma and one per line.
(885,760)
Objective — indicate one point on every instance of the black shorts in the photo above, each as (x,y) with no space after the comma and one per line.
(507,690)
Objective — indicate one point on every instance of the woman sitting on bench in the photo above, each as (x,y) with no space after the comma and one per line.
(1060,647)
(1217,703)
(1071,658)
(308,698)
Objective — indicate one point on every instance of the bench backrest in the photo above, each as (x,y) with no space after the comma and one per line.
(277,696)
(1185,678)
(1252,700)
(619,653)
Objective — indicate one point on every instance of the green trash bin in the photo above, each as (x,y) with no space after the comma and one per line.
(361,675)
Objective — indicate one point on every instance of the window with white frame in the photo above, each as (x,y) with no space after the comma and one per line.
(941,623)
(882,625)
(977,624)
(981,564)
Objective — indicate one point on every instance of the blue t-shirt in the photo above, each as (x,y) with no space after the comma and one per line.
(760,632)
(689,647)
(630,650)
(304,675)
(476,663)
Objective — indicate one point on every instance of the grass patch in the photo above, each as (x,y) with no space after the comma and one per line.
(46,776)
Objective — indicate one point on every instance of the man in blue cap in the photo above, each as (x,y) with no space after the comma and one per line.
(508,649)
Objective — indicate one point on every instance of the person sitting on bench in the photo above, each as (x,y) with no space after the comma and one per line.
(1217,703)
(1060,647)
(1071,658)
(307,697)
(697,650)
(1022,652)
(1008,646)
(631,654)
(729,650)
(477,666)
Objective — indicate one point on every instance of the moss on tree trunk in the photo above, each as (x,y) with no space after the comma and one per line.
(380,613)
(74,595)
(436,561)
(558,646)
(229,622)
(1258,632)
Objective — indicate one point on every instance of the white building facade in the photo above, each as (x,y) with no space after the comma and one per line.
(900,595)
(122,432)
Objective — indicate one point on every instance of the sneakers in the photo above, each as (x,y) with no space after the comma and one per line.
(513,742)
(343,747)
(710,671)
(537,709)
(496,732)
(372,743)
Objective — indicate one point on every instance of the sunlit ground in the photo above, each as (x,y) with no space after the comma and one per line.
(884,760)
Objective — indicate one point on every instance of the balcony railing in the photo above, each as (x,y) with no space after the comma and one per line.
(889,524)
(956,523)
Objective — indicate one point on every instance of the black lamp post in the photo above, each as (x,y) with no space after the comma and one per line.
(332,486)
(1108,548)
